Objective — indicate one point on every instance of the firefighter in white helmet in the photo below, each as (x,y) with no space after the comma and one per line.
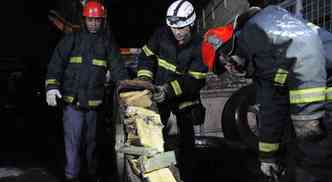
(171,60)
(180,18)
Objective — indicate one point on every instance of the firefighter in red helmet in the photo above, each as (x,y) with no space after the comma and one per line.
(77,75)
(291,75)
(94,14)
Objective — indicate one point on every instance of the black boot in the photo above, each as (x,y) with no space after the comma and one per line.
(94,178)
(72,180)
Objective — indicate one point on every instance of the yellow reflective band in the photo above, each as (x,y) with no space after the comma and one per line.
(52,82)
(147,51)
(99,62)
(171,67)
(77,60)
(186,104)
(68,99)
(197,75)
(168,66)
(146,73)
(94,103)
(176,87)
(309,95)
(164,64)
(281,76)
(268,147)
(329,93)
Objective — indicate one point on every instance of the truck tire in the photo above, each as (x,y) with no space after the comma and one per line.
(239,121)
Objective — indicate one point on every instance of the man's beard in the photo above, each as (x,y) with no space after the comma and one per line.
(92,29)
(183,39)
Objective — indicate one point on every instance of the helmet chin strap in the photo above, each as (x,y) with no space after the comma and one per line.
(239,22)
(242,18)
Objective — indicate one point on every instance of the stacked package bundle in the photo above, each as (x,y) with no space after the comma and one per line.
(144,142)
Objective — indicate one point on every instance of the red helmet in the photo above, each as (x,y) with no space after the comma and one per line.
(213,39)
(94,9)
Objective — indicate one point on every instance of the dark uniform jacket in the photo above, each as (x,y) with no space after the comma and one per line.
(290,71)
(181,67)
(79,65)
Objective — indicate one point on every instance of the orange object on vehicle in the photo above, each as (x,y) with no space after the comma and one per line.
(213,39)
(208,55)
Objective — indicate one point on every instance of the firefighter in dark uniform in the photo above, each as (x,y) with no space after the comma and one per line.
(290,73)
(172,61)
(77,74)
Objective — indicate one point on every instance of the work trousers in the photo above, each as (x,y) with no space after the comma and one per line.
(313,159)
(186,139)
(79,136)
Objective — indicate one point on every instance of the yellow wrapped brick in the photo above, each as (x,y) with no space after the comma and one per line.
(148,127)
(161,175)
(137,98)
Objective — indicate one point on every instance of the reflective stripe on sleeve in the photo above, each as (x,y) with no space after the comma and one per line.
(52,82)
(147,51)
(308,95)
(146,73)
(99,62)
(75,60)
(329,93)
(187,104)
(171,67)
(280,77)
(176,87)
(166,65)
(68,99)
(268,147)
(94,103)
(198,75)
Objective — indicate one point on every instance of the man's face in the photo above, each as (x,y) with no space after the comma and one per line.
(93,24)
(182,35)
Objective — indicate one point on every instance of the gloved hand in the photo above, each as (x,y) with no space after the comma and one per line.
(159,94)
(51,96)
(308,130)
(267,167)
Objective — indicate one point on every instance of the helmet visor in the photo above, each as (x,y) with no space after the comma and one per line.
(174,20)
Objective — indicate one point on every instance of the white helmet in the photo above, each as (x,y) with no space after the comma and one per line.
(180,13)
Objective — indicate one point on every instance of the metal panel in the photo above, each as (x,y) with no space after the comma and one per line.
(219,12)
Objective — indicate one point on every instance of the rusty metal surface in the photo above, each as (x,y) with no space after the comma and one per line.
(214,97)
(212,124)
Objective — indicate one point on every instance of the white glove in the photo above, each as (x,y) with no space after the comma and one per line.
(51,96)
(266,168)
(108,76)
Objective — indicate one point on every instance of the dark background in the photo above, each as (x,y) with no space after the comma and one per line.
(26,30)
